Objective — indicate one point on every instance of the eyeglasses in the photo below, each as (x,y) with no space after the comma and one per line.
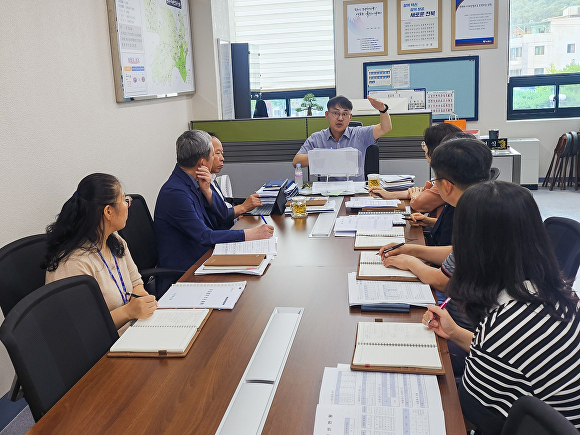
(433,180)
(338,115)
(128,200)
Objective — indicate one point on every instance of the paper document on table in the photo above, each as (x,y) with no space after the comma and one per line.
(340,187)
(367,201)
(395,178)
(366,292)
(377,420)
(349,225)
(264,246)
(343,386)
(202,295)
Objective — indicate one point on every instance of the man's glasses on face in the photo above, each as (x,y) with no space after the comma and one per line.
(337,115)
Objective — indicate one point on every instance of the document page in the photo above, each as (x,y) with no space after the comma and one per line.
(368,201)
(374,403)
(361,292)
(370,265)
(202,295)
(264,246)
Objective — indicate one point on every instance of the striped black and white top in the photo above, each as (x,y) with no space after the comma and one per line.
(518,350)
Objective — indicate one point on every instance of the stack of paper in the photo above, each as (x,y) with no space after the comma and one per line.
(370,202)
(269,191)
(290,189)
(376,239)
(347,226)
(220,295)
(365,292)
(328,206)
(265,246)
(395,215)
(334,188)
(397,182)
(374,403)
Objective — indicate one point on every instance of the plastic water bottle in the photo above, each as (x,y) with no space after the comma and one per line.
(298,176)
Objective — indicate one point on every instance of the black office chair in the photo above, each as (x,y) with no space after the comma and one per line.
(355,124)
(55,335)
(140,237)
(530,416)
(20,274)
(565,236)
(493,173)
(372,160)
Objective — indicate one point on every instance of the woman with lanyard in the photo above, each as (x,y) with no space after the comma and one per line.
(82,241)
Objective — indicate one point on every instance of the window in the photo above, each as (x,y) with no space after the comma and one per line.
(295,41)
(546,86)
(515,52)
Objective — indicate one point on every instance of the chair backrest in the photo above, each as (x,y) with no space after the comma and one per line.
(372,160)
(493,173)
(139,234)
(355,124)
(530,416)
(565,236)
(54,336)
(20,270)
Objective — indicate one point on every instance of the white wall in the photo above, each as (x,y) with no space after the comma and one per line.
(59,120)
(492,79)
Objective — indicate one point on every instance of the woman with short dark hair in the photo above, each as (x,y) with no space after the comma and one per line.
(83,241)
(507,280)
(424,199)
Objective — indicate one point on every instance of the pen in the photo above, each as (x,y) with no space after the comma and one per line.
(264,219)
(393,247)
(442,306)
(408,218)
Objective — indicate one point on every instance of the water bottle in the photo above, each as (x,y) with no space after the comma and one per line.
(298,176)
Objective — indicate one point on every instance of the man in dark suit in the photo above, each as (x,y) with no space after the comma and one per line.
(185,223)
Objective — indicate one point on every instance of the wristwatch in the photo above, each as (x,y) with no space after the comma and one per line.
(386,108)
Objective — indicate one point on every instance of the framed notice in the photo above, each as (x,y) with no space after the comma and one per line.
(365,28)
(474,24)
(419,26)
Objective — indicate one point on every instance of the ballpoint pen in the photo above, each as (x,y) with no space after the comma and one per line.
(442,306)
(392,247)
(264,219)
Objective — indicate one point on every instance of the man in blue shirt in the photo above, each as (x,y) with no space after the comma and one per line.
(185,216)
(340,135)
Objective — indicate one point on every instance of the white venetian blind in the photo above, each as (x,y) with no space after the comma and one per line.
(295,40)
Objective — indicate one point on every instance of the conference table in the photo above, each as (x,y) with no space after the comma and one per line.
(190,395)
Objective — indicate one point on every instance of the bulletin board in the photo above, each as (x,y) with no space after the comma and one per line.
(451,84)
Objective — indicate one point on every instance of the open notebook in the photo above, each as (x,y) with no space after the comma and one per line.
(370,266)
(166,333)
(399,347)
(378,238)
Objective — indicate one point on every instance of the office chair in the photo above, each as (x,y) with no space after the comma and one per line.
(372,160)
(55,335)
(565,236)
(493,173)
(530,416)
(355,124)
(21,274)
(140,237)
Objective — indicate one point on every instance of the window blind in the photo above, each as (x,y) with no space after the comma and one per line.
(295,40)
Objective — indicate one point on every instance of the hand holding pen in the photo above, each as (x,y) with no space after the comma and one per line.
(437,318)
(384,250)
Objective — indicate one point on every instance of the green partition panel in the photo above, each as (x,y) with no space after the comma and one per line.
(255,130)
(299,128)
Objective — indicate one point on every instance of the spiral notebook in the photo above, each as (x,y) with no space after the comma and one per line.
(370,266)
(378,239)
(396,347)
(167,333)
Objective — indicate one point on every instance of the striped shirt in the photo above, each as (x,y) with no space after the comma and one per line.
(519,350)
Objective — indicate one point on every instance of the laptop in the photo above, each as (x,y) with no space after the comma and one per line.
(271,209)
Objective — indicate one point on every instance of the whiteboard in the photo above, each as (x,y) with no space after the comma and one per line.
(151,48)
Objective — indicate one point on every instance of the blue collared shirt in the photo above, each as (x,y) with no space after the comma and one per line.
(354,137)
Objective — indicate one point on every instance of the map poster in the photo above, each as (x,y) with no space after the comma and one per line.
(151,48)
(365,28)
(474,24)
(419,26)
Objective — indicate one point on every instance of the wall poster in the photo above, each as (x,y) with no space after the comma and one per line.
(474,24)
(419,26)
(365,28)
